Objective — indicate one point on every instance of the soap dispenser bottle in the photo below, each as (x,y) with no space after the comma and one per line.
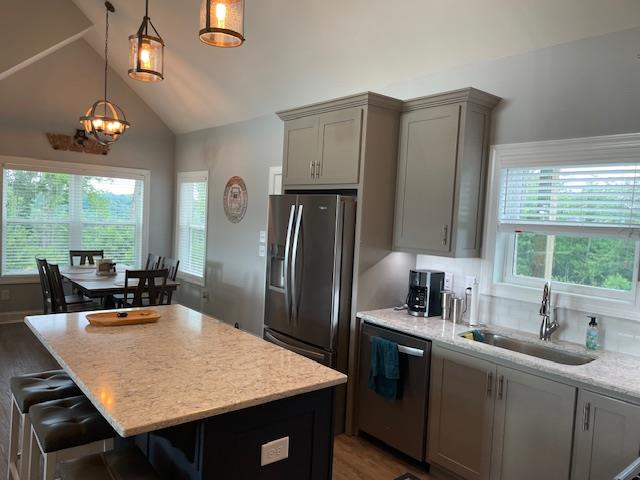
(592,333)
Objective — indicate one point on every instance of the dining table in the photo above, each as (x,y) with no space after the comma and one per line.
(85,279)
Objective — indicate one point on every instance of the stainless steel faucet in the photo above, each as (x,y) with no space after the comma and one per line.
(548,326)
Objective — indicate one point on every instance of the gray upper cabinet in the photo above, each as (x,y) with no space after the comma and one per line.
(442,167)
(325,143)
(461,413)
(607,436)
(340,137)
(300,150)
(533,427)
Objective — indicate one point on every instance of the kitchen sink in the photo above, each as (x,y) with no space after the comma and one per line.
(528,348)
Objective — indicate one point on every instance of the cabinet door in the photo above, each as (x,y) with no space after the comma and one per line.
(607,436)
(340,135)
(300,150)
(426,179)
(533,428)
(461,413)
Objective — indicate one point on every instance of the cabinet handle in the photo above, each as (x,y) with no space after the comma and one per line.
(445,231)
(489,384)
(500,386)
(318,170)
(586,414)
(312,168)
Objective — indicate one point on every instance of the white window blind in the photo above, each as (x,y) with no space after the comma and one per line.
(46,214)
(595,196)
(192,224)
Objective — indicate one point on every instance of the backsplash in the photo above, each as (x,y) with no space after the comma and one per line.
(616,334)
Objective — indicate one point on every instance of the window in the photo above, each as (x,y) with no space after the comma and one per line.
(191,241)
(566,211)
(51,208)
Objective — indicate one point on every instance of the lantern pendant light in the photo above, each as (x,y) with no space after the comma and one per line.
(105,121)
(222,23)
(146,52)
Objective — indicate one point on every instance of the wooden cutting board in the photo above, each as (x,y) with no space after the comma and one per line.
(134,317)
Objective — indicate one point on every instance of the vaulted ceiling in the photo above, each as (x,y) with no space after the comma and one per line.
(301,51)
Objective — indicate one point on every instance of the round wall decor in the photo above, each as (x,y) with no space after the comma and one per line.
(235,199)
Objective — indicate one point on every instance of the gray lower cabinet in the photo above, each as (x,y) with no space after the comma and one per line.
(492,422)
(607,436)
(533,427)
(461,413)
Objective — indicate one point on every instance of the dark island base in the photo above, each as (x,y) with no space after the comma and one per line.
(228,446)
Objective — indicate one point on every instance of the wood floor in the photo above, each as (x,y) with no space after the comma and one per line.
(354,458)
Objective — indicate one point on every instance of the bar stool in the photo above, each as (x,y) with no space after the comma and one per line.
(26,391)
(63,430)
(127,464)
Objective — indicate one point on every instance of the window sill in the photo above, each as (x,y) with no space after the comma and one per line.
(19,279)
(571,301)
(191,279)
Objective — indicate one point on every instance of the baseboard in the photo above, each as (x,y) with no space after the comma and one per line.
(17,317)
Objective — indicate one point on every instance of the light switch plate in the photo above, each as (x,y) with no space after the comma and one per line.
(274,451)
(263,236)
(448,281)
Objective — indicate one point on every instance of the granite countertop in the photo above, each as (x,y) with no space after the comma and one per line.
(616,373)
(185,367)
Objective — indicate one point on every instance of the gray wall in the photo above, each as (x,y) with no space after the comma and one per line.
(49,96)
(235,272)
(584,88)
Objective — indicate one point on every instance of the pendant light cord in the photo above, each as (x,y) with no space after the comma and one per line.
(106,59)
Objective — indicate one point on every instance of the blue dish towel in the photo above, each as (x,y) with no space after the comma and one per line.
(384,371)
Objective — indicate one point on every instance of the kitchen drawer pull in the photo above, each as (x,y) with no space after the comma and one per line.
(413,352)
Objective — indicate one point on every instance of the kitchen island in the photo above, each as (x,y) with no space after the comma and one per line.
(198,397)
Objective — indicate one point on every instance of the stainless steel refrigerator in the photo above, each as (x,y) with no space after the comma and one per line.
(309,274)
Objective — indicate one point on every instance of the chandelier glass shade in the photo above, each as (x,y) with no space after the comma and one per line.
(105,121)
(146,52)
(222,23)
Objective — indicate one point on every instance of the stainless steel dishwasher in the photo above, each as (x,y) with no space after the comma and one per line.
(400,423)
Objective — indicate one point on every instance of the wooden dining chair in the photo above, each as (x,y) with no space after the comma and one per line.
(153,262)
(45,285)
(61,303)
(172,265)
(150,289)
(84,256)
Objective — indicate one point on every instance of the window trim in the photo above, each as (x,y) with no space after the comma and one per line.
(27,163)
(616,148)
(182,177)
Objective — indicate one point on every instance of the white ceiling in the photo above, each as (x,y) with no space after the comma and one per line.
(302,51)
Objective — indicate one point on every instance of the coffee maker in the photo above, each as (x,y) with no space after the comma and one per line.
(425,293)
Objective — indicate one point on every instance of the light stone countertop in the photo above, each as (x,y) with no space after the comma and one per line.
(185,367)
(611,373)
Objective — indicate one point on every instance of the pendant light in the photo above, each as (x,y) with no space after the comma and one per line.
(146,52)
(105,121)
(222,23)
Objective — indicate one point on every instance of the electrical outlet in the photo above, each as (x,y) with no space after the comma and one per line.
(262,250)
(448,281)
(274,451)
(263,236)
(5,295)
(469,281)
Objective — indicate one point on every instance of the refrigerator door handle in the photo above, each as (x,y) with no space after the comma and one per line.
(294,261)
(287,254)
(301,351)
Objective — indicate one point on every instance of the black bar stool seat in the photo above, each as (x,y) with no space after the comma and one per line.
(34,388)
(127,464)
(67,423)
